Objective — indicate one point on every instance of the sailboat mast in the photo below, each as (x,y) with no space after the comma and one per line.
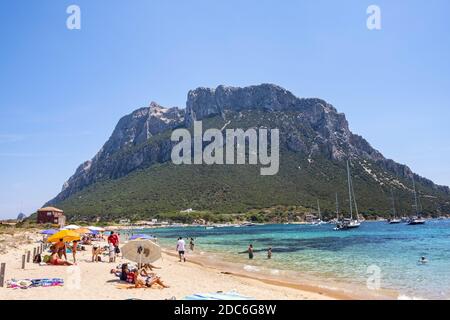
(337,207)
(318,208)
(349,191)
(393,203)
(354,199)
(415,195)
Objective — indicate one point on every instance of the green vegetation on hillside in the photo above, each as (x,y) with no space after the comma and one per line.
(162,191)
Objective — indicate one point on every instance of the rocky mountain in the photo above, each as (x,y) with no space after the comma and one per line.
(315,142)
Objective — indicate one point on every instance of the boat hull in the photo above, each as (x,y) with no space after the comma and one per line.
(413,223)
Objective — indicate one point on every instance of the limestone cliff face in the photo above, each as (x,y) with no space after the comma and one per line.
(332,134)
(309,127)
(126,149)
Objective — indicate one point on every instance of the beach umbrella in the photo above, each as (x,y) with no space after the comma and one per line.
(49,231)
(141,251)
(82,230)
(66,235)
(71,227)
(142,237)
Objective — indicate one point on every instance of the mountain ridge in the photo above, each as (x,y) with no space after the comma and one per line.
(310,128)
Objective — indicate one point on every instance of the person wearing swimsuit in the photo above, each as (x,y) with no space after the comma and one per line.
(250,252)
(60,248)
(54,260)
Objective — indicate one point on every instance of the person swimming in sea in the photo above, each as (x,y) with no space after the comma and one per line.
(423,260)
(269,253)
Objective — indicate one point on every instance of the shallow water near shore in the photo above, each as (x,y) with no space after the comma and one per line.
(337,260)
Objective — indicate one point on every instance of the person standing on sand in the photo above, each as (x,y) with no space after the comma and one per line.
(269,253)
(114,240)
(250,251)
(74,251)
(181,249)
(112,253)
(60,248)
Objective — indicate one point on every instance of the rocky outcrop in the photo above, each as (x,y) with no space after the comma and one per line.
(117,158)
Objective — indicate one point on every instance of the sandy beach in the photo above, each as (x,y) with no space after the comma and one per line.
(88,280)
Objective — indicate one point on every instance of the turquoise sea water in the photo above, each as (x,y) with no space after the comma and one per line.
(342,256)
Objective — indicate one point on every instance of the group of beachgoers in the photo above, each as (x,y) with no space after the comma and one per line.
(58,256)
(181,248)
(112,248)
(251,252)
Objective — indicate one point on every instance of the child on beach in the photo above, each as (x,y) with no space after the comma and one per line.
(191,244)
(112,253)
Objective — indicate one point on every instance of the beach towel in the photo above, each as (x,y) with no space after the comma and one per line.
(34,283)
(232,295)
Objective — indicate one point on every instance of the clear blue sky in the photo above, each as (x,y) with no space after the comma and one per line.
(62,91)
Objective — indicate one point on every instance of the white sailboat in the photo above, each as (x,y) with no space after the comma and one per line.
(319,220)
(417,219)
(394,220)
(351,223)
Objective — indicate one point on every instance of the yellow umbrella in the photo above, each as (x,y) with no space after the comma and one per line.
(82,230)
(66,235)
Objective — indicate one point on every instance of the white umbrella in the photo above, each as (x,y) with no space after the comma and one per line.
(71,227)
(141,251)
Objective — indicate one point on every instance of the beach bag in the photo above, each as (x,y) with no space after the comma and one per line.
(117,250)
(37,259)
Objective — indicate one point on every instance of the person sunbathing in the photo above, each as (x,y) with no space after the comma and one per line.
(146,279)
(56,261)
(123,272)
